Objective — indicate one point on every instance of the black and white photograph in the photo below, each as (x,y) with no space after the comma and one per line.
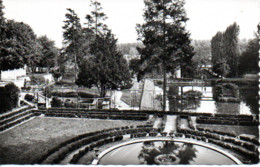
(129,82)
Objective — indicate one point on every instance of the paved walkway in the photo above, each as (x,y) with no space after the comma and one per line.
(148,95)
(170,124)
(157,123)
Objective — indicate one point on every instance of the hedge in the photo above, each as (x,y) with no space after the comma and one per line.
(99,137)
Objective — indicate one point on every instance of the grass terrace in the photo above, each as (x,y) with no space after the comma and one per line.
(27,142)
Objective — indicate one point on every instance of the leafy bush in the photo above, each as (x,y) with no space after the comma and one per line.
(9,97)
(193,94)
(56,102)
(225,90)
(28,97)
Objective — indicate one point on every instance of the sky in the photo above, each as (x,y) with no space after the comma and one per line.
(206,17)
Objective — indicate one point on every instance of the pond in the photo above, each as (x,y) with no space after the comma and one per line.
(248,101)
(164,152)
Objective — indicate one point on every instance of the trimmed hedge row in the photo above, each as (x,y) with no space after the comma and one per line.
(14,113)
(94,112)
(101,142)
(98,116)
(246,118)
(6,126)
(215,131)
(250,139)
(232,118)
(96,141)
(227,121)
(8,120)
(184,113)
(87,138)
(252,155)
(139,134)
(219,140)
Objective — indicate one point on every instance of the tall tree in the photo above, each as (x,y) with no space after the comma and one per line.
(202,55)
(219,60)
(250,57)
(72,36)
(1,10)
(106,67)
(18,47)
(2,28)
(166,42)
(2,19)
(49,52)
(95,20)
(225,50)
(231,48)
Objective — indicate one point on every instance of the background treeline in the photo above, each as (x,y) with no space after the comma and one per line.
(19,45)
(230,58)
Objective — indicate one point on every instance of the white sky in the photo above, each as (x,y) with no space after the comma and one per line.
(206,16)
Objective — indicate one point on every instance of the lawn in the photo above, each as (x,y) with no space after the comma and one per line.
(28,142)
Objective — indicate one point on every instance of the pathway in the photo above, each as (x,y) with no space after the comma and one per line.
(157,123)
(170,124)
(148,95)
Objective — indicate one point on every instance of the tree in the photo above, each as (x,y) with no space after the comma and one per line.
(166,42)
(106,67)
(219,61)
(231,48)
(2,21)
(134,66)
(18,47)
(74,40)
(49,52)
(202,55)
(96,18)
(9,97)
(250,57)
(225,49)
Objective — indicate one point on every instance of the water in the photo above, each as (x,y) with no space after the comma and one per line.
(164,152)
(247,105)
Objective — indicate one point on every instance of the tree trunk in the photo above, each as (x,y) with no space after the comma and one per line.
(103,91)
(164,86)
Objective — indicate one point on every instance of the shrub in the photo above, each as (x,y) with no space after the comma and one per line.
(193,94)
(163,133)
(225,90)
(28,97)
(56,102)
(9,97)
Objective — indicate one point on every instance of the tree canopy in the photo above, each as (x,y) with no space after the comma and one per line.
(19,45)
(105,66)
(225,51)
(49,52)
(166,41)
(249,59)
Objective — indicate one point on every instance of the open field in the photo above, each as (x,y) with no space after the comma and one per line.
(28,142)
